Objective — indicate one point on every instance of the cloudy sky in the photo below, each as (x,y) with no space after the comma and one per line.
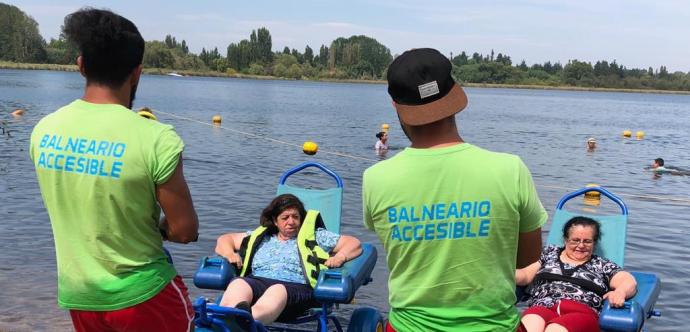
(635,33)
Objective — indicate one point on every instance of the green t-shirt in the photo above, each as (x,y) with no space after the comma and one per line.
(98,166)
(449,219)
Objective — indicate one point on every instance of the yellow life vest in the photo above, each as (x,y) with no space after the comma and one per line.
(311,255)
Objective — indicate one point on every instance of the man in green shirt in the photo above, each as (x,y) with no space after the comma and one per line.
(105,173)
(455,220)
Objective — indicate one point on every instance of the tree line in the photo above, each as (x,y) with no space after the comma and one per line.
(356,57)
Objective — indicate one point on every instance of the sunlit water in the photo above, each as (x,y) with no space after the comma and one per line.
(232,176)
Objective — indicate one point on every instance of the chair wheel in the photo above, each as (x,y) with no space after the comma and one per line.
(366,320)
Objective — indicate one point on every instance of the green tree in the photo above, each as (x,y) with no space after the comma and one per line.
(158,55)
(264,52)
(297,55)
(294,71)
(347,52)
(578,73)
(60,51)
(323,55)
(308,54)
(461,59)
(20,40)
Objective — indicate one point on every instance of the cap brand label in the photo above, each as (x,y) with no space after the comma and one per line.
(428,89)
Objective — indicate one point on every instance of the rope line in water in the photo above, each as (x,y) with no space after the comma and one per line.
(335,153)
(660,198)
(341,154)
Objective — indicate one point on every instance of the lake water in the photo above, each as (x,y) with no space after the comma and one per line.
(232,175)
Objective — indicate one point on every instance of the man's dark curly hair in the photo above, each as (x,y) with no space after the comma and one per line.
(110,45)
(276,207)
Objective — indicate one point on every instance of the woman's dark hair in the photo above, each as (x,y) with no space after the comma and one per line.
(110,45)
(380,134)
(659,161)
(585,222)
(276,207)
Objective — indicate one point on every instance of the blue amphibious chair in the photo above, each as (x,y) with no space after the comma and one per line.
(334,286)
(637,310)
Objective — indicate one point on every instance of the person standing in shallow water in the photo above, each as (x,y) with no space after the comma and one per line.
(455,220)
(105,173)
(381,145)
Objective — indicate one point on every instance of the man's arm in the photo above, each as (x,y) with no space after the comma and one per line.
(181,223)
(529,248)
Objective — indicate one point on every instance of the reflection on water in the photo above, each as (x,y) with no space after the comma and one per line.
(232,176)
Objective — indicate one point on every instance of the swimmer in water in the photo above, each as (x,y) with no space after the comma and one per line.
(658,167)
(591,144)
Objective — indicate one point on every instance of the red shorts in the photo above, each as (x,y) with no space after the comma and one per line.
(389,327)
(573,315)
(169,310)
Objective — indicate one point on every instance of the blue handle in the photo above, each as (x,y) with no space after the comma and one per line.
(302,166)
(611,196)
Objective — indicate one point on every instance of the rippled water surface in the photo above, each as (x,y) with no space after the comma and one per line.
(232,175)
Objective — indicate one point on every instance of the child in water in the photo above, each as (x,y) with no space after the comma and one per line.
(381,145)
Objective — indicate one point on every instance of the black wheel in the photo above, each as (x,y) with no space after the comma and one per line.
(366,320)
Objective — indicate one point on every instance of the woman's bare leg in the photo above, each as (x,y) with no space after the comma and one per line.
(270,305)
(238,290)
(533,323)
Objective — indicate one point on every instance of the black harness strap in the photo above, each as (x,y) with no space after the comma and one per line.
(585,284)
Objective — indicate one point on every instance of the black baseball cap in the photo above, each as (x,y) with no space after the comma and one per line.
(421,85)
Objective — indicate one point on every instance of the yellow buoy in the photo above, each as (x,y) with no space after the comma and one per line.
(627,133)
(639,134)
(310,148)
(147,113)
(216,119)
(18,112)
(385,127)
(592,197)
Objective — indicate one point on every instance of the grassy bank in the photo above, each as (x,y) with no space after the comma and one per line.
(164,71)
(571,88)
(36,66)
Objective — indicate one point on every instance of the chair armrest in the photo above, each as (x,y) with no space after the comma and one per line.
(340,284)
(214,272)
(636,310)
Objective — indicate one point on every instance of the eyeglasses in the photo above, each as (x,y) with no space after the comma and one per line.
(585,242)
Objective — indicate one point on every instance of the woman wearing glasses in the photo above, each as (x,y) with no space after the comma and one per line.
(569,283)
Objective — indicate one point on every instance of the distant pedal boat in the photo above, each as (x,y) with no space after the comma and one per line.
(175,74)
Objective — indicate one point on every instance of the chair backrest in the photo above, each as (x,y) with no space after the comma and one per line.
(327,201)
(613,227)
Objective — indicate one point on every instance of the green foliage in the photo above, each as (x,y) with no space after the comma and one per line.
(158,55)
(59,51)
(20,40)
(256,69)
(358,57)
(578,73)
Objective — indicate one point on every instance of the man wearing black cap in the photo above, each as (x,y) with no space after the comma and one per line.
(455,219)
